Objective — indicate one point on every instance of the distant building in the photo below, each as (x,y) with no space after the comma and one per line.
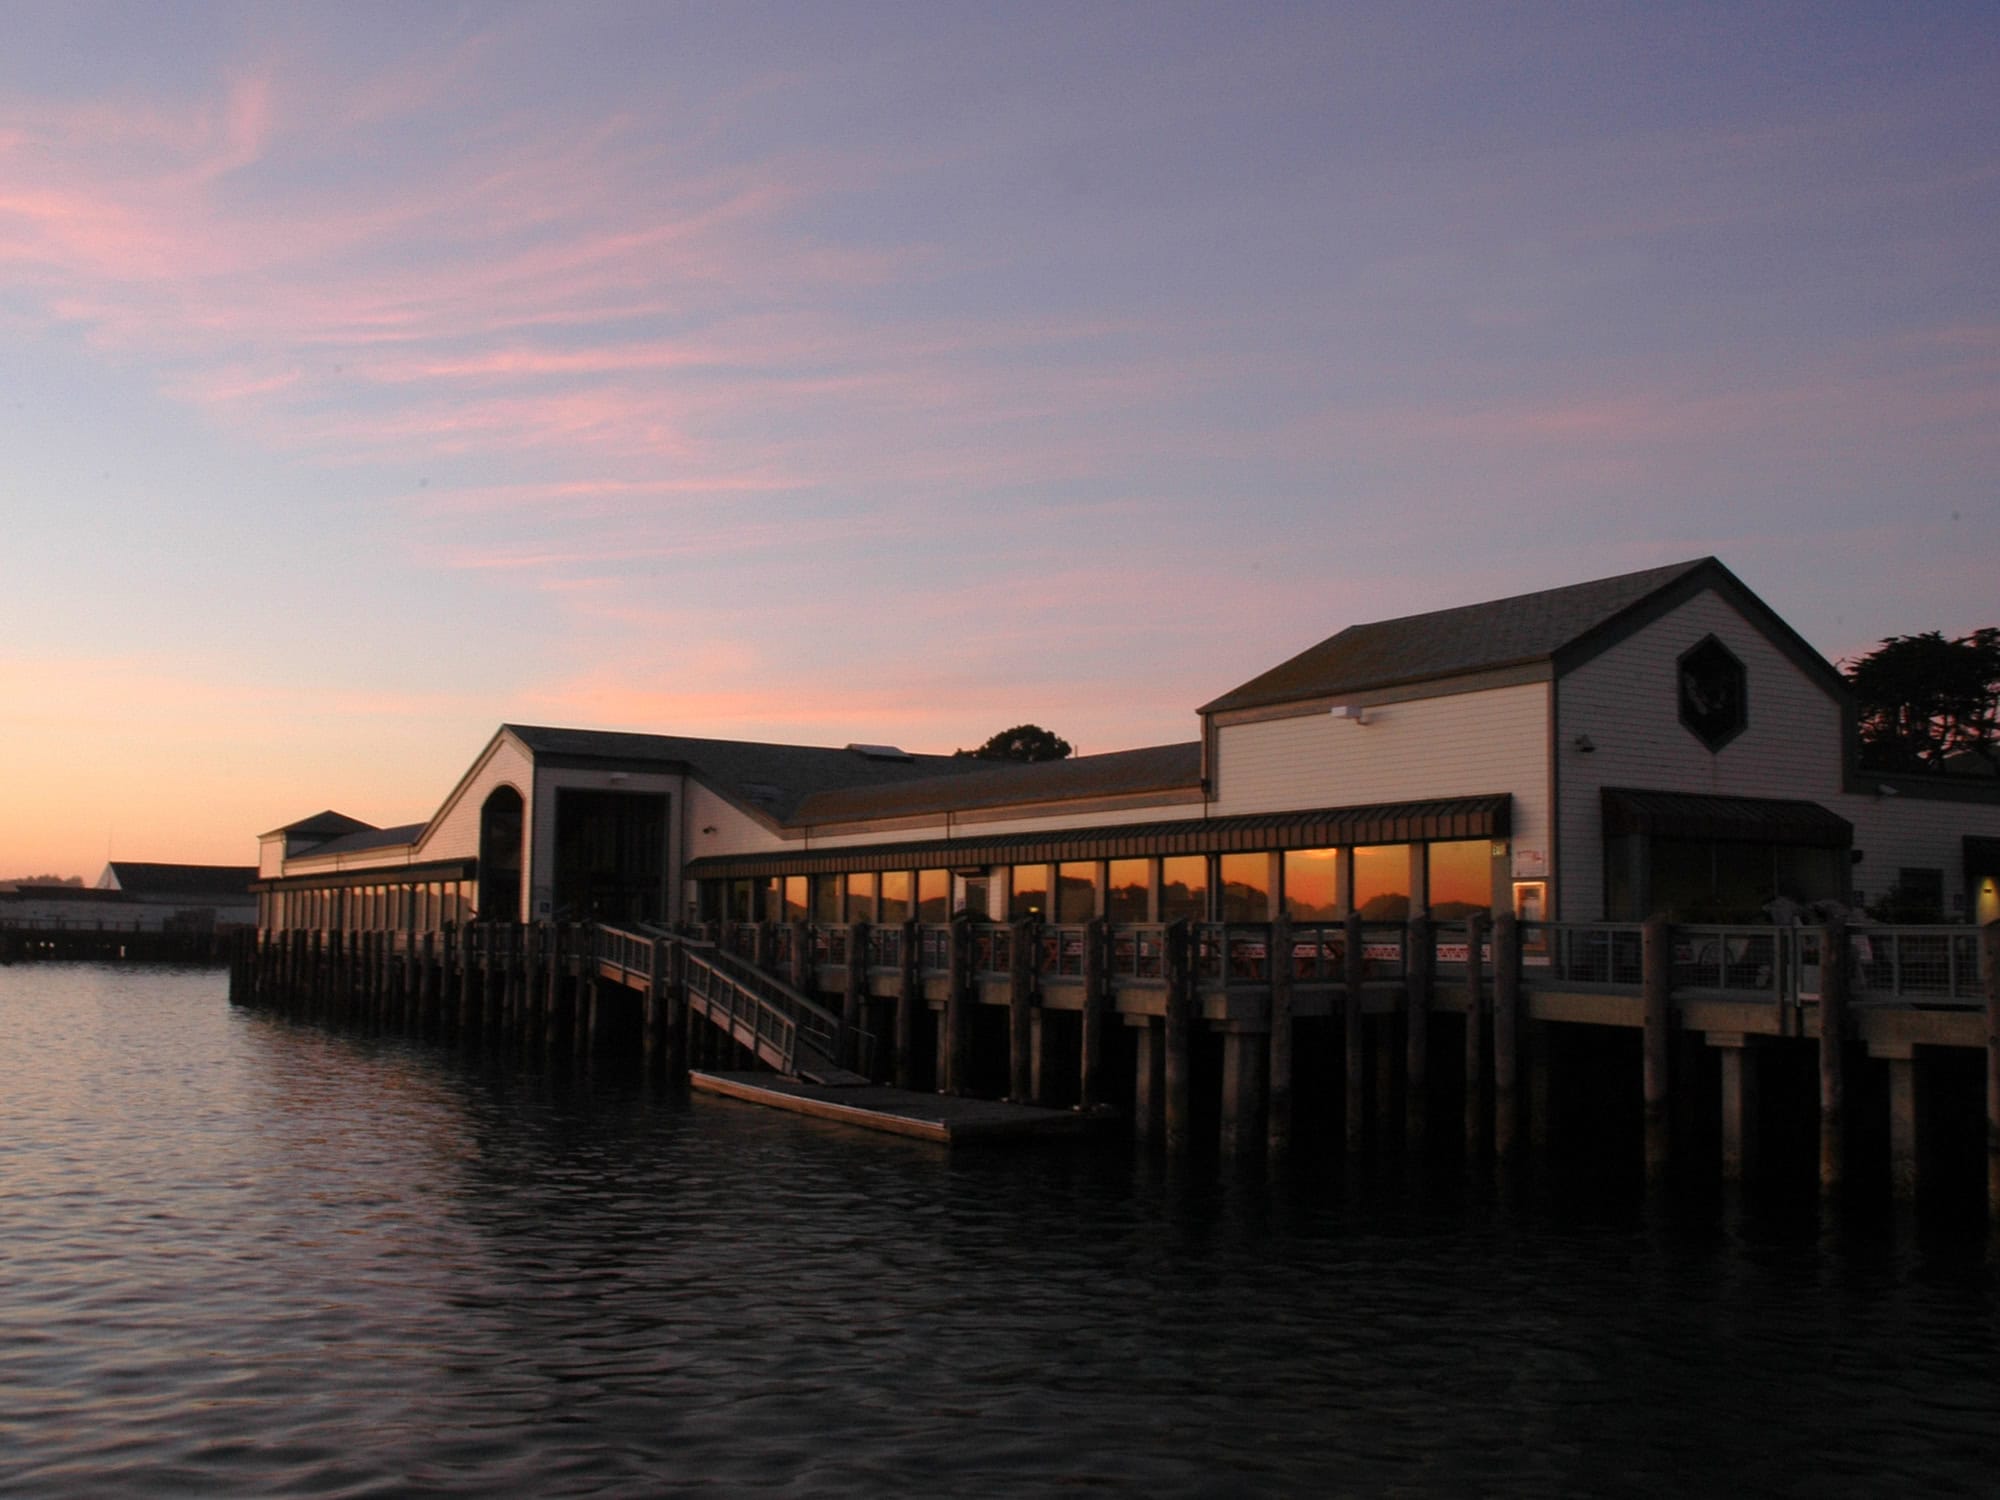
(1660,740)
(140,897)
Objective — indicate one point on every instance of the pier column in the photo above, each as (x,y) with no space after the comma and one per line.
(1355,1034)
(1506,1034)
(1244,1050)
(1475,1035)
(1902,1064)
(1096,1001)
(1419,969)
(955,1057)
(677,1012)
(1989,959)
(909,997)
(1832,1057)
(1656,994)
(1739,1103)
(656,994)
(1278,1124)
(1149,1086)
(1020,1012)
(1177,1031)
(849,1040)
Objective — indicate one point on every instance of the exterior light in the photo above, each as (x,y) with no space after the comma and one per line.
(1583,744)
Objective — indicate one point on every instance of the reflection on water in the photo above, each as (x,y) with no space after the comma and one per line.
(240,1255)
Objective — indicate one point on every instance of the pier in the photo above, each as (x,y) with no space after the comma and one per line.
(1485,1039)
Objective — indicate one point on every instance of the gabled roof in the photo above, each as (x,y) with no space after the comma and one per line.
(136,878)
(367,838)
(1524,629)
(768,780)
(326,825)
(1156,768)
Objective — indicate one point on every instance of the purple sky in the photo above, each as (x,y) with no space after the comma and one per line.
(370,375)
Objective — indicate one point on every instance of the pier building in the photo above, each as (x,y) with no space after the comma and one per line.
(1491,854)
(1659,741)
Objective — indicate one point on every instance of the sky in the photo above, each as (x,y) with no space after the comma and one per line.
(373,375)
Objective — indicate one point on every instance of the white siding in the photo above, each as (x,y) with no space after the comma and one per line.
(1894,832)
(1458,745)
(1627,701)
(736,832)
(456,834)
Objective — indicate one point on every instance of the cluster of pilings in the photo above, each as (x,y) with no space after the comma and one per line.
(72,943)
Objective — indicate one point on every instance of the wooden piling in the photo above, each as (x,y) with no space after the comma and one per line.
(1096,1004)
(1020,1004)
(909,998)
(848,1039)
(1419,970)
(1178,1029)
(1832,1057)
(1352,969)
(959,1009)
(1989,957)
(1506,1035)
(1278,1123)
(1475,1036)
(1656,993)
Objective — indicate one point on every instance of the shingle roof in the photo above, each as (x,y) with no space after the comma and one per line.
(1155,768)
(773,779)
(366,838)
(326,824)
(1449,642)
(137,878)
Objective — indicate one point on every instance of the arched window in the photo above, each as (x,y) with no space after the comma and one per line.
(501,826)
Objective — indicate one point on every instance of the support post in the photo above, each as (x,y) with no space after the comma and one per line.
(1902,1064)
(1179,1024)
(849,1040)
(1506,1035)
(1278,1122)
(959,1010)
(1739,1103)
(1356,1037)
(1419,969)
(656,993)
(1020,1013)
(1832,1057)
(909,998)
(1475,1035)
(1096,1001)
(1656,991)
(1989,958)
(1244,1108)
(1148,1077)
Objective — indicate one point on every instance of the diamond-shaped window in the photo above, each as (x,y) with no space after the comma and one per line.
(1713,693)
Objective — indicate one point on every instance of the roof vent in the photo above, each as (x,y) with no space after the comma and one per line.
(881,752)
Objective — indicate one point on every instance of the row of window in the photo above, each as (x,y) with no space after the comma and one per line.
(367,908)
(1455,878)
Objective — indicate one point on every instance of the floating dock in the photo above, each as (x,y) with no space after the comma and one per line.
(942,1118)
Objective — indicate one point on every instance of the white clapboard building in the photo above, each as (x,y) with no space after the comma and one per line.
(1656,741)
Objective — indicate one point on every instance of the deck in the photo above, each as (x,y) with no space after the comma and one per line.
(942,1118)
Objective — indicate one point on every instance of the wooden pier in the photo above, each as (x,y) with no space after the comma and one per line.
(926,1117)
(1485,1040)
(111,942)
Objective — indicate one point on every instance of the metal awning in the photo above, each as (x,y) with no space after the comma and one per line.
(1699,815)
(1379,823)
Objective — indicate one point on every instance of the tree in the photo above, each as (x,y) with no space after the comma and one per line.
(1023,742)
(1927,703)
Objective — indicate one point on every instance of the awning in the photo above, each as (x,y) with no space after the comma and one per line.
(1697,815)
(1380,823)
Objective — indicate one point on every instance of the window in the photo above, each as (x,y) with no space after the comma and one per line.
(826,896)
(860,905)
(1184,888)
(1030,893)
(795,898)
(1312,885)
(1461,879)
(1246,887)
(933,895)
(895,902)
(1128,889)
(1382,882)
(1076,892)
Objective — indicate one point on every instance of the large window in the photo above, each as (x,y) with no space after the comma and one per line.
(1382,882)
(1184,888)
(933,895)
(860,905)
(1076,892)
(1246,887)
(1128,889)
(895,904)
(796,908)
(1030,893)
(1461,879)
(826,899)
(1312,885)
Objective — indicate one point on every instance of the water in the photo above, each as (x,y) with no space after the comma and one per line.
(240,1255)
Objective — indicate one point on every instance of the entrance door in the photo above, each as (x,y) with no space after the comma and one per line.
(610,856)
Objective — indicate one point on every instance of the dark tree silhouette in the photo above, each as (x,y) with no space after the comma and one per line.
(1929,704)
(1022,742)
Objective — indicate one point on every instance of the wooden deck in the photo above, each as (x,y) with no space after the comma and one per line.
(943,1118)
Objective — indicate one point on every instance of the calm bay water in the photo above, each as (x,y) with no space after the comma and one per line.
(240,1255)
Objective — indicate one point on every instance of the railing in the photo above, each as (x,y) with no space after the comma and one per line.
(738,1008)
(1599,955)
(1921,965)
(934,948)
(1740,961)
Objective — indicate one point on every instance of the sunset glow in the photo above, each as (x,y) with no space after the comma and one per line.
(369,377)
